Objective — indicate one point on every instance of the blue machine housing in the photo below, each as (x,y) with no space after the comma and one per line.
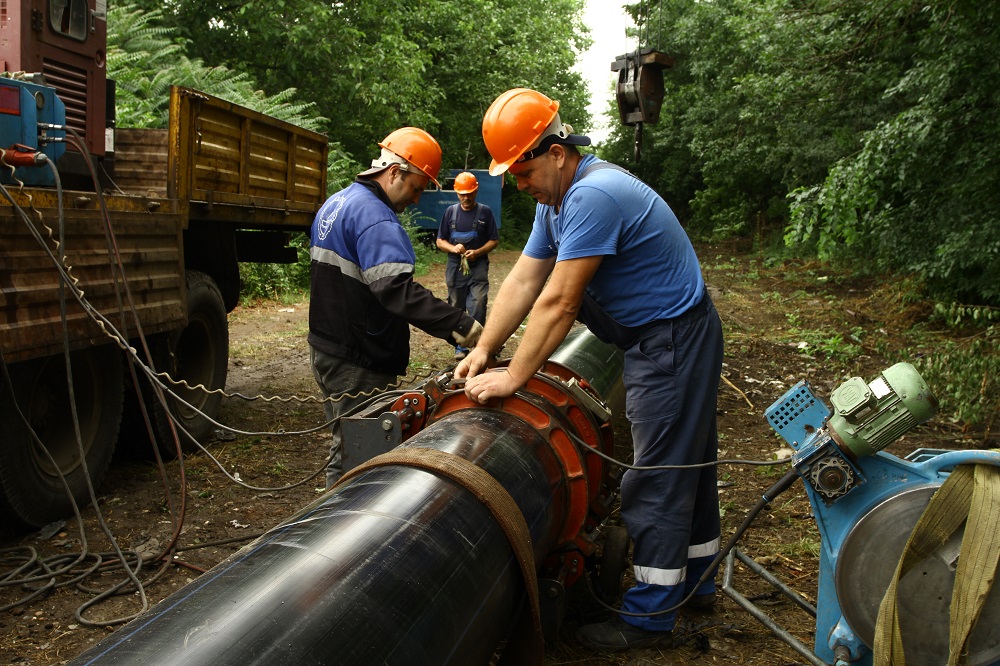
(24,105)
(868,485)
(433,202)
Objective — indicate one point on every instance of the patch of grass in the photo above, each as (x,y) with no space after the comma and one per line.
(267,344)
(806,547)
(730,505)
(722,263)
(770,471)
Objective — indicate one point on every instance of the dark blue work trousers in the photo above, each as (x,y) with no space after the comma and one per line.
(672,381)
(353,384)
(469,292)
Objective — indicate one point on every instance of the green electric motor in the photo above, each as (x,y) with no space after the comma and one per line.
(867,417)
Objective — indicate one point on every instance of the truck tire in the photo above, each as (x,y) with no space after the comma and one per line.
(197,354)
(31,491)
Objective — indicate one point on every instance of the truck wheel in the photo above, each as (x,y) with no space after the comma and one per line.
(31,491)
(197,354)
(614,559)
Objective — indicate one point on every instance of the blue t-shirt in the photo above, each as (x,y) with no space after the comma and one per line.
(649,269)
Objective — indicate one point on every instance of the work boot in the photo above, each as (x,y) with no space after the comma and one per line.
(701,602)
(617,634)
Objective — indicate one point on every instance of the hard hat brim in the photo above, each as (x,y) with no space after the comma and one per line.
(497,168)
(379,169)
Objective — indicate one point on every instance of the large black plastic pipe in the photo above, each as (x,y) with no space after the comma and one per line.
(397,566)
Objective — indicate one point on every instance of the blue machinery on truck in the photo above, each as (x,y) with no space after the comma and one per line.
(419,557)
(23,105)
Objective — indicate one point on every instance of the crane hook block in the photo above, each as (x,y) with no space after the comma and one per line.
(640,85)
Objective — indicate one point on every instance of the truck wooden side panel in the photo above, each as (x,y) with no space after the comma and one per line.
(228,163)
(147,235)
(141,158)
(219,171)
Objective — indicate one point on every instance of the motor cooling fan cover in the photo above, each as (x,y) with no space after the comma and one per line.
(865,566)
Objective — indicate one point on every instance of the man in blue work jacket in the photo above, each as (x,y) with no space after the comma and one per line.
(363,297)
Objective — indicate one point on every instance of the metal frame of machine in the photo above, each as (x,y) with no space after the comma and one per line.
(866,503)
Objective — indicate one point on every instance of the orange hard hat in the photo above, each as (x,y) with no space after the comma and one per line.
(522,124)
(513,123)
(466,183)
(414,147)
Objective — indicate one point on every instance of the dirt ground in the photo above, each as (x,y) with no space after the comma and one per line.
(768,314)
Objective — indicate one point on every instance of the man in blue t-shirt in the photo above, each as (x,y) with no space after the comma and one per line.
(468,233)
(607,250)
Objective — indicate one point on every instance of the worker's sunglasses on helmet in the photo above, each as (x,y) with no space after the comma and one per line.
(540,149)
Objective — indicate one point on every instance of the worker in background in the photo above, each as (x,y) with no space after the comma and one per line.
(468,233)
(607,250)
(363,296)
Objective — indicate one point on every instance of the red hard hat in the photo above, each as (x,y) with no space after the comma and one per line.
(518,121)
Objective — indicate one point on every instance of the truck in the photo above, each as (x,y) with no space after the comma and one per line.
(121,246)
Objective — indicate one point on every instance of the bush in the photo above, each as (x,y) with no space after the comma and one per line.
(964,372)
(285,282)
(278,281)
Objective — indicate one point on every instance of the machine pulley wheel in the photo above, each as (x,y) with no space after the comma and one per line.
(866,564)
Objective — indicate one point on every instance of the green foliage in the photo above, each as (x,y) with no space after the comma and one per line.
(864,130)
(369,66)
(372,66)
(423,244)
(145,58)
(924,170)
(518,215)
(278,281)
(964,373)
(341,169)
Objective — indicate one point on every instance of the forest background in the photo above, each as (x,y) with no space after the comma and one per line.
(858,133)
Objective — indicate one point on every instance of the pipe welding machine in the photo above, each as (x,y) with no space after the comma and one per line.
(866,503)
(415,557)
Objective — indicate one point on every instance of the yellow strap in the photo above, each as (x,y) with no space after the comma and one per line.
(969,496)
(977,561)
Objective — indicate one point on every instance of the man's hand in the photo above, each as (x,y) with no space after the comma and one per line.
(475,362)
(458,249)
(494,384)
(471,338)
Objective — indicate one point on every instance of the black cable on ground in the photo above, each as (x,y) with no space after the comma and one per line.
(769,495)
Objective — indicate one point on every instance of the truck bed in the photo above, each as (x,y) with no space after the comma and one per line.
(229,181)
(226,163)
(147,234)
